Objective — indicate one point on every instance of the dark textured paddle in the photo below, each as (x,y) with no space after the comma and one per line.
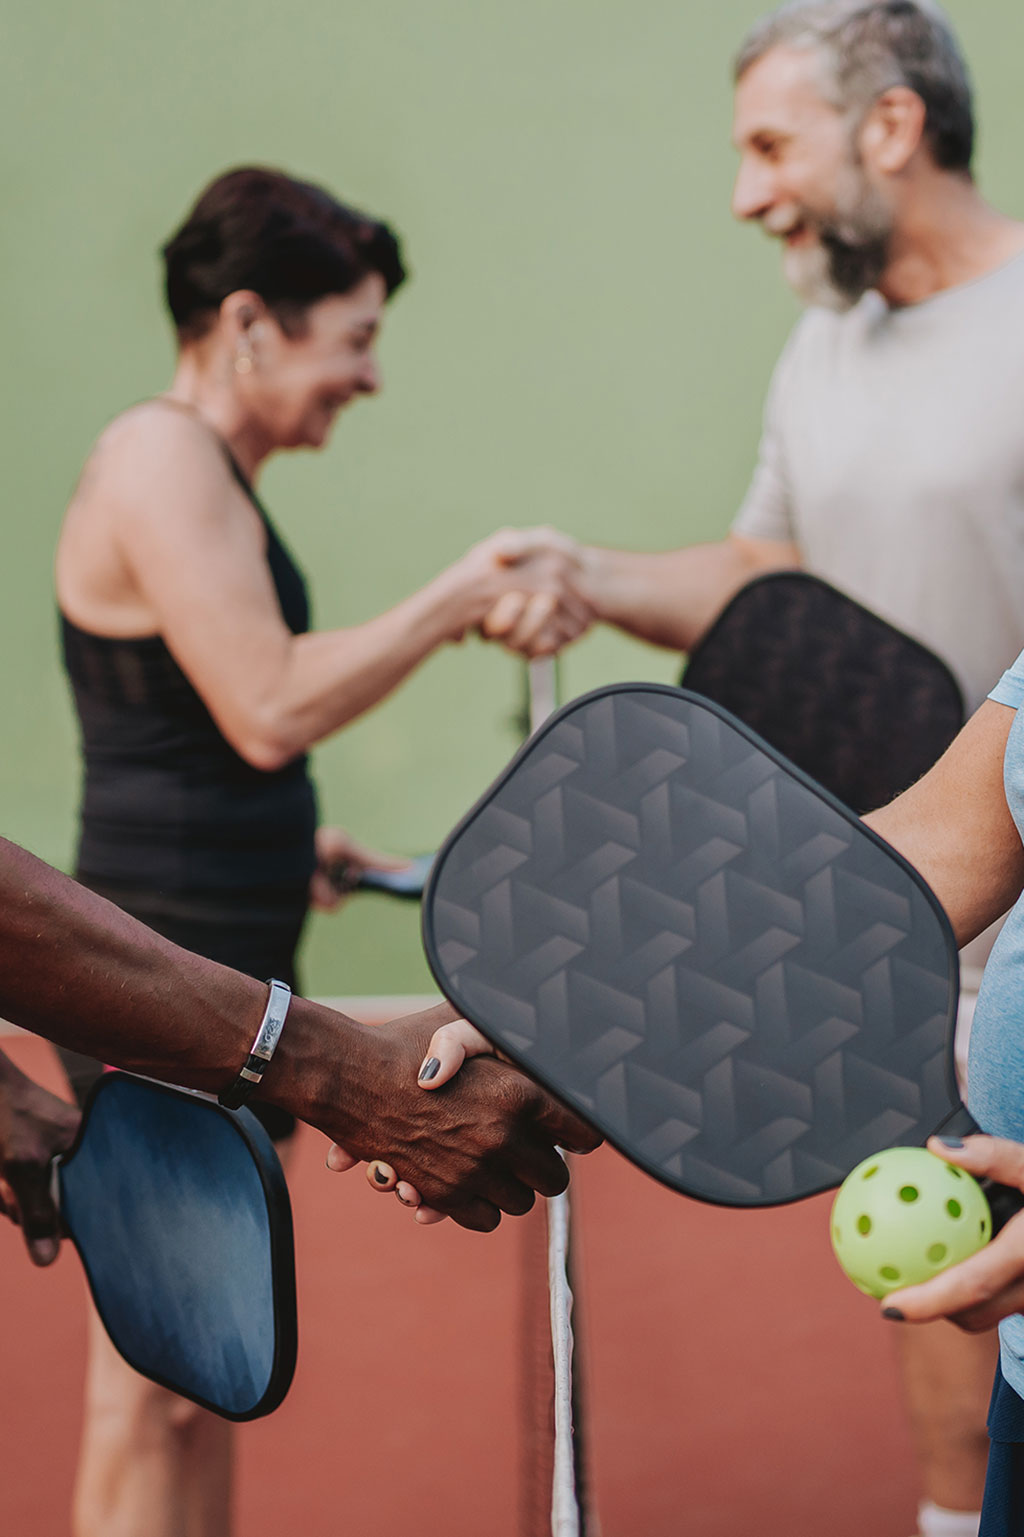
(860,706)
(699,949)
(180,1213)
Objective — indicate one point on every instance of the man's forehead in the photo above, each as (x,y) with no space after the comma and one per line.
(780,93)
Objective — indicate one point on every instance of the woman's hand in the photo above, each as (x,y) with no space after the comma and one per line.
(540,622)
(340,861)
(487,1142)
(34,1127)
(517,587)
(989,1286)
(450,1046)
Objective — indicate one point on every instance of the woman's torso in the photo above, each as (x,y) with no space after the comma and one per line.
(168,803)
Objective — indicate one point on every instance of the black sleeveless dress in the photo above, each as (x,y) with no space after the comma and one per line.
(176,828)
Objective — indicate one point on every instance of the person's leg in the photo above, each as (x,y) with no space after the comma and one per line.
(947,1382)
(150,1462)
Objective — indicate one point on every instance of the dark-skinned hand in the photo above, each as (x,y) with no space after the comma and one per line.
(34,1127)
(482,1144)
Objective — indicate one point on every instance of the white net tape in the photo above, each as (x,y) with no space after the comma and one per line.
(565,1509)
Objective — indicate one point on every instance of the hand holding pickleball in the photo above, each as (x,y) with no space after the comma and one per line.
(902,1216)
(988,1286)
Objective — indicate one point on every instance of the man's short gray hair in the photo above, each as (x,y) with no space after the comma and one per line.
(870,46)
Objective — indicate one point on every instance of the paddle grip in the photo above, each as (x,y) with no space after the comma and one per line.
(1004,1201)
(408,883)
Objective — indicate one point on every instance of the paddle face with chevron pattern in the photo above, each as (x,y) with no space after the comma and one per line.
(699,949)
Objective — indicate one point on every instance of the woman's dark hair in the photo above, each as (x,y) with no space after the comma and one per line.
(289,241)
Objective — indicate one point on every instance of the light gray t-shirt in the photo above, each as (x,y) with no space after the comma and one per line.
(893,455)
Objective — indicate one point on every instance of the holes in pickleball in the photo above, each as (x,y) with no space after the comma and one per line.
(937,1253)
(956,1173)
(889,1273)
(869,1173)
(909,1193)
(864,1225)
(954,1208)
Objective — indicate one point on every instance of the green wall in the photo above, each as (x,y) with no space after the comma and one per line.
(586,339)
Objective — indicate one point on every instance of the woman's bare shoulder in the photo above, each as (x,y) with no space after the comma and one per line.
(155,444)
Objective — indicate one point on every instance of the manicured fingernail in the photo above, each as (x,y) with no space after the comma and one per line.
(379,1174)
(952,1141)
(430,1069)
(895,1315)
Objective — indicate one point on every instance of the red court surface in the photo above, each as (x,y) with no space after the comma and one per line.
(736,1384)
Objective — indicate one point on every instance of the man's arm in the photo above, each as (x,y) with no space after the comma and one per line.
(671,597)
(77,970)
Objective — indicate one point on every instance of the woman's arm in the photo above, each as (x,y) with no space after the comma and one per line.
(955,827)
(192,551)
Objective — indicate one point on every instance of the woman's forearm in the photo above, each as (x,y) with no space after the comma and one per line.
(297,689)
(329,677)
(955,828)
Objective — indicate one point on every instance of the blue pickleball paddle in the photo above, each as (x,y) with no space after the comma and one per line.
(180,1213)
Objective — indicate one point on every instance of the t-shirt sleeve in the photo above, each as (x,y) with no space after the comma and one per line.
(767,509)
(1010,688)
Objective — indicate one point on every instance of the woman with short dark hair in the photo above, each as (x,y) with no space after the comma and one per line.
(199,685)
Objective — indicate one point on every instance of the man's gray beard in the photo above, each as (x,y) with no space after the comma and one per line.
(849,254)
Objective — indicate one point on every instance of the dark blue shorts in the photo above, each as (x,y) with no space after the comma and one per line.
(1002,1514)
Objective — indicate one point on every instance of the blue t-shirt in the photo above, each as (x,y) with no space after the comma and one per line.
(995,1071)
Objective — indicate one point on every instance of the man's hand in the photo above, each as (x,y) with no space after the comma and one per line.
(989,1286)
(550,609)
(450,1046)
(34,1127)
(482,1144)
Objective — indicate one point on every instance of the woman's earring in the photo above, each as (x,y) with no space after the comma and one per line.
(243,356)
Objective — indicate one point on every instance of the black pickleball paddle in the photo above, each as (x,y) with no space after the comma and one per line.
(180,1213)
(701,950)
(862,707)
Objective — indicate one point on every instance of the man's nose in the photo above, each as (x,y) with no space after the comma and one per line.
(753,193)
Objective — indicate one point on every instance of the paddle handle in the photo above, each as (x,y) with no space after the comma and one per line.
(407,883)
(1004,1201)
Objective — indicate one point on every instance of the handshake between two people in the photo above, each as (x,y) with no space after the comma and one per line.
(487,1145)
(525,588)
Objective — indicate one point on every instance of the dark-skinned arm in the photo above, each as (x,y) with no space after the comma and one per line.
(77,970)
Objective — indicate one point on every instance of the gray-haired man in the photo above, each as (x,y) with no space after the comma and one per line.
(892,461)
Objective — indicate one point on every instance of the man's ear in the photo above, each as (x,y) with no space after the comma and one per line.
(893,130)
